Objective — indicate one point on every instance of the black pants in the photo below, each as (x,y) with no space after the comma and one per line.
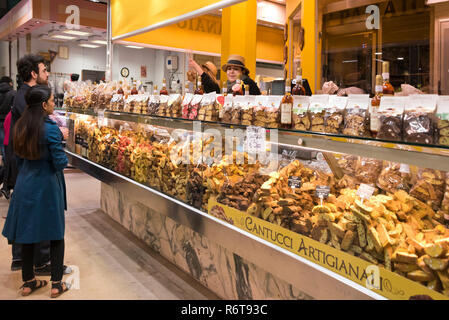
(41,253)
(56,258)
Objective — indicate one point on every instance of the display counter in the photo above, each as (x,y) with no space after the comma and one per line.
(324,216)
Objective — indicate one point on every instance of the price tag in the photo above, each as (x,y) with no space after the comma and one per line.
(365,191)
(322,192)
(294,182)
(405,168)
(255,139)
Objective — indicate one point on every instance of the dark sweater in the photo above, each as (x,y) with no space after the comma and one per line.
(209,85)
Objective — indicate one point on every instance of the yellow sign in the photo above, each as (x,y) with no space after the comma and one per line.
(379,280)
(151,13)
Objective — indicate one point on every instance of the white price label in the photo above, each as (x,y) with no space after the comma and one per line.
(405,168)
(365,191)
(255,139)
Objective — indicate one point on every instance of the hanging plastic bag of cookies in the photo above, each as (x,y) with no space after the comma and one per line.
(394,176)
(443,120)
(357,121)
(195,106)
(237,105)
(272,112)
(185,105)
(174,105)
(317,111)
(300,118)
(259,111)
(212,108)
(248,110)
(391,113)
(334,114)
(205,101)
(419,118)
(225,112)
(163,105)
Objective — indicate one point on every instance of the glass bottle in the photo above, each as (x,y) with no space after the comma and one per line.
(298,88)
(164,88)
(375,104)
(155,92)
(187,87)
(287,107)
(237,89)
(388,89)
(199,87)
(224,88)
(134,89)
(120,88)
(246,90)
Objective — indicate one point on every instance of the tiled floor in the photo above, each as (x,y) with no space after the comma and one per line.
(109,261)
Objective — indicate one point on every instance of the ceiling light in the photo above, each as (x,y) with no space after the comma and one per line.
(103,42)
(378,53)
(86,45)
(134,47)
(77,33)
(62,37)
(400,58)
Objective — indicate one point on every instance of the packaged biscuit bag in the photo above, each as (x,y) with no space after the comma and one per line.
(248,110)
(443,120)
(259,116)
(195,106)
(116,102)
(174,106)
(300,117)
(272,112)
(334,114)
(185,105)
(236,110)
(419,118)
(207,103)
(226,112)
(391,113)
(317,110)
(394,176)
(162,110)
(357,121)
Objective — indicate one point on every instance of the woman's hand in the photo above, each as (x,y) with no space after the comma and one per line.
(195,66)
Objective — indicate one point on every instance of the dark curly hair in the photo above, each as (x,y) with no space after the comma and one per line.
(28,63)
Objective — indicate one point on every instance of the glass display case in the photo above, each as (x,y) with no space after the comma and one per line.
(347,203)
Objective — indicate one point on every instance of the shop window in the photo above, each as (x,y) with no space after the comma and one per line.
(352,53)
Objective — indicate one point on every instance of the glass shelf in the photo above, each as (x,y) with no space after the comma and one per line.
(422,155)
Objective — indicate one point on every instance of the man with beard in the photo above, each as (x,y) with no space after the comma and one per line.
(32,71)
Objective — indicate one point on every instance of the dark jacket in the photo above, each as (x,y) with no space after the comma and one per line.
(253,88)
(19,104)
(209,85)
(5,88)
(6,106)
(36,211)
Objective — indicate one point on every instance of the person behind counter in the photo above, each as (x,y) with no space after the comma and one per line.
(235,68)
(208,74)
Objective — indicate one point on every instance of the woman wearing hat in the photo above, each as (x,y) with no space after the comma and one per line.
(208,73)
(235,68)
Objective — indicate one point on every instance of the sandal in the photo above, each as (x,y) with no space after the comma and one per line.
(61,289)
(33,285)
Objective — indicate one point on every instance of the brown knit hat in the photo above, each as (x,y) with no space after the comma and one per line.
(235,60)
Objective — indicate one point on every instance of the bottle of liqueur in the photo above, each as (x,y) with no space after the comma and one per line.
(120,88)
(155,92)
(246,90)
(199,87)
(187,87)
(298,88)
(287,107)
(387,87)
(224,89)
(164,88)
(375,104)
(134,89)
(237,88)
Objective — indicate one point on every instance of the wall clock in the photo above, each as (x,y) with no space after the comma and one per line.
(124,72)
